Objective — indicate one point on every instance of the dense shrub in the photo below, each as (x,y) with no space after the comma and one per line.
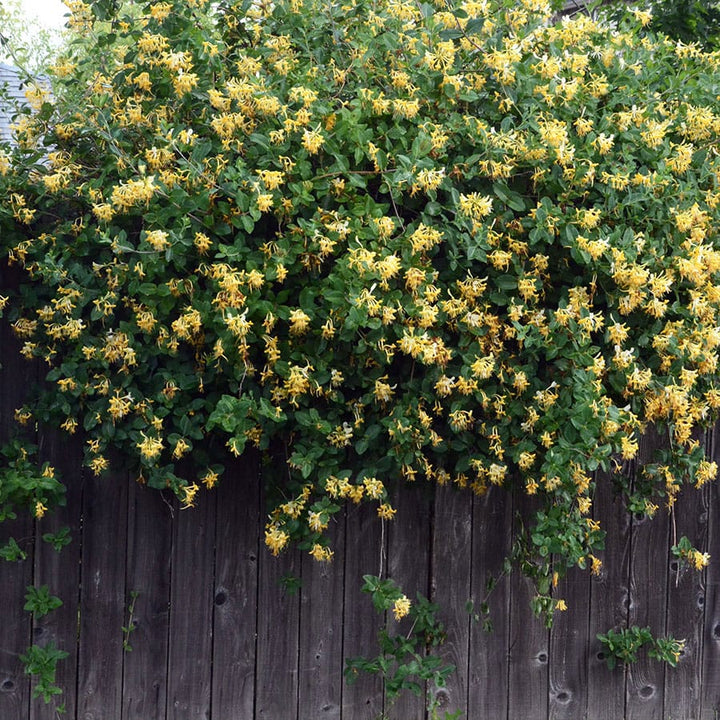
(441,242)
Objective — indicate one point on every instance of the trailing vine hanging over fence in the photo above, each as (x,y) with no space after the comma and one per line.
(385,240)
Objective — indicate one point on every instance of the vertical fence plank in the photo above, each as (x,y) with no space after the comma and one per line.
(489,647)
(102,596)
(609,602)
(321,648)
(191,602)
(648,602)
(148,577)
(278,622)
(365,541)
(409,542)
(711,630)
(60,570)
(15,624)
(239,528)
(686,609)
(16,576)
(452,570)
(569,649)
(529,639)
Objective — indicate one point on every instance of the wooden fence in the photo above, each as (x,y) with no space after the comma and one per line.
(217,637)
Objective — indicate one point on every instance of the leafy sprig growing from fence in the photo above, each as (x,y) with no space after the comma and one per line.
(622,646)
(130,626)
(41,663)
(406,658)
(40,602)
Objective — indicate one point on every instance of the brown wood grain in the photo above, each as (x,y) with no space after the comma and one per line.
(452,573)
(15,635)
(189,668)
(102,596)
(238,532)
(320,657)
(276,687)
(490,648)
(362,699)
(529,641)
(148,574)
(60,570)
(710,670)
(686,606)
(15,627)
(569,649)
(609,601)
(648,601)
(217,637)
(409,553)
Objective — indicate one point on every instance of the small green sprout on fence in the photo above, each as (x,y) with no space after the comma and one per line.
(12,552)
(40,602)
(131,625)
(41,662)
(405,660)
(59,539)
(623,646)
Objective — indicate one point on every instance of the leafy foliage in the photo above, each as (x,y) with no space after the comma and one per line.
(23,484)
(41,662)
(406,660)
(458,243)
(692,22)
(623,646)
(40,602)
(12,552)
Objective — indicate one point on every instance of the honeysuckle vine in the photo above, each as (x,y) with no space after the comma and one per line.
(387,241)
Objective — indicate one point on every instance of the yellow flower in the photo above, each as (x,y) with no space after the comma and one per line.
(210,479)
(299,322)
(160,10)
(202,242)
(119,406)
(383,391)
(264,202)
(374,488)
(526,460)
(560,605)
(644,17)
(181,447)
(321,554)
(386,512)
(316,521)
(706,471)
(629,447)
(70,425)
(276,539)
(103,211)
(149,447)
(312,141)
(184,82)
(40,509)
(475,206)
(401,607)
(698,560)
(157,239)
(190,491)
(98,465)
